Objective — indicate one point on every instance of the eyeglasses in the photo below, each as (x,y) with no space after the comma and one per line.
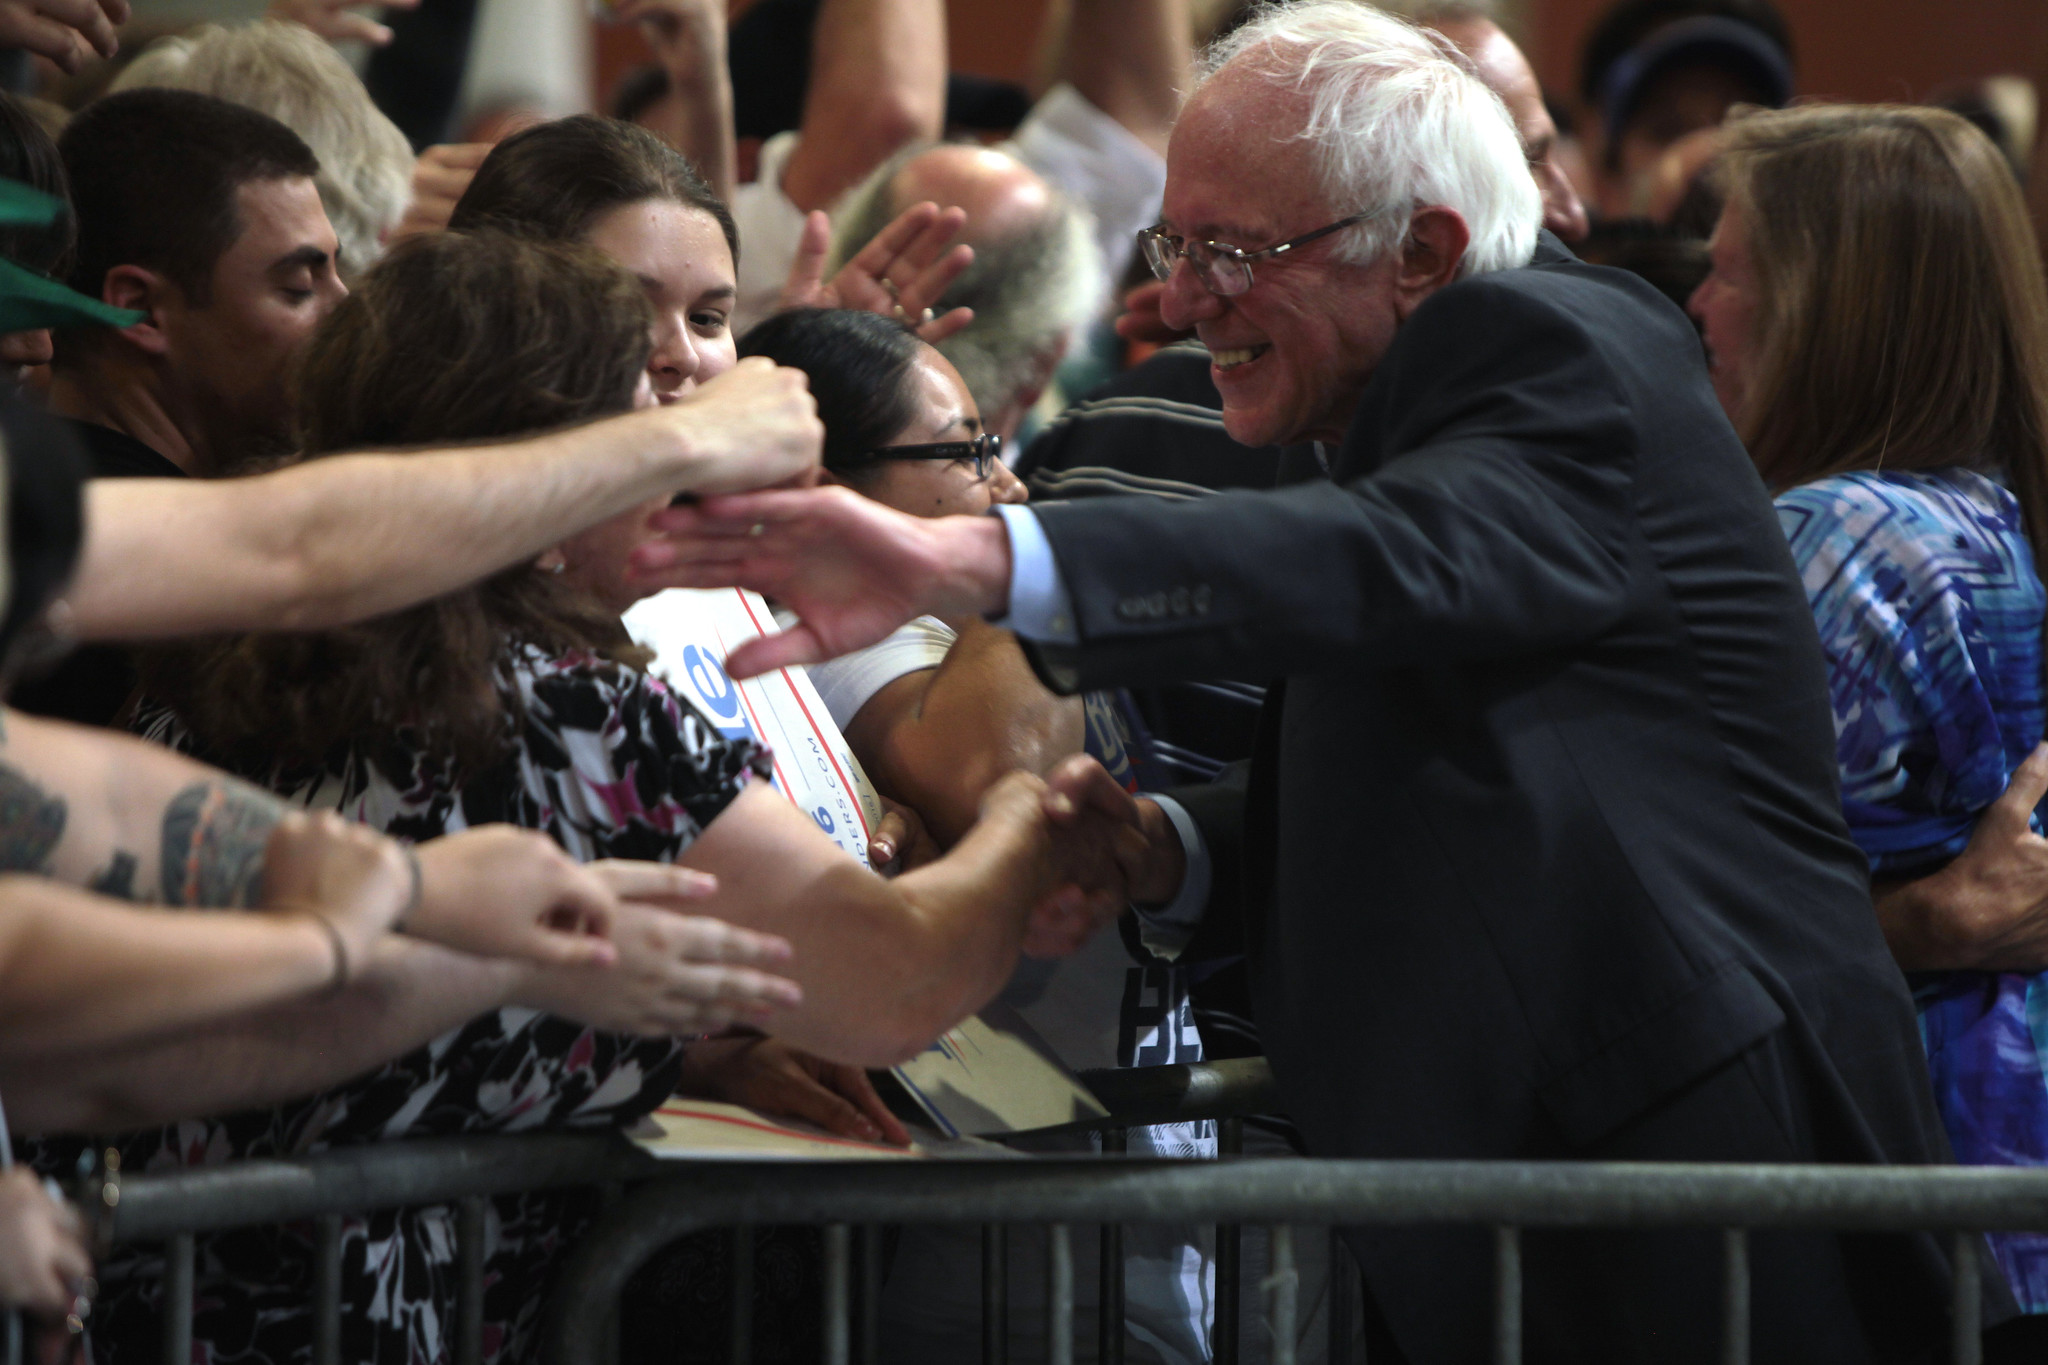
(1222,268)
(984,450)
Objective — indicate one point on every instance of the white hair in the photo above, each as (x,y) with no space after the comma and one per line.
(293,75)
(1397,119)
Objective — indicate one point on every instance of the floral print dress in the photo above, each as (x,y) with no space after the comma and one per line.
(611,764)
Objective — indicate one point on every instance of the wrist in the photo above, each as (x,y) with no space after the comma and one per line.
(1166,863)
(975,554)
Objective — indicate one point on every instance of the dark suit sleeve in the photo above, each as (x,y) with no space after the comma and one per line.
(1217,808)
(1490,519)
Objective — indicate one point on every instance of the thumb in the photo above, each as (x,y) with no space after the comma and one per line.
(797,645)
(807,272)
(552,948)
(2013,810)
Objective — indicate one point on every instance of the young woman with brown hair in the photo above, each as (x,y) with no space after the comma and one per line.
(1877,325)
(518,700)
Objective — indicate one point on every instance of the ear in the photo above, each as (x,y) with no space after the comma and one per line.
(132,286)
(1437,238)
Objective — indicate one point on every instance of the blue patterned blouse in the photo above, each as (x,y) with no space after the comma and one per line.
(1931,611)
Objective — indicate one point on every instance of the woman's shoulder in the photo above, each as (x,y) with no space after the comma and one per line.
(1956,493)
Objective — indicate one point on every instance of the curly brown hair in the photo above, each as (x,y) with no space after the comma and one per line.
(452,336)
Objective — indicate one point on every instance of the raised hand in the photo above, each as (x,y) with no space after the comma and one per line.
(775,1078)
(335,21)
(902,273)
(755,426)
(1141,319)
(676,973)
(501,891)
(68,32)
(43,1261)
(852,569)
(439,177)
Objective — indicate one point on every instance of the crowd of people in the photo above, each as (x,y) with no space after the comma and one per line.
(1529,616)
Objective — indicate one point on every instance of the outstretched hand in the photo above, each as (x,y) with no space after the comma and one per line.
(852,569)
(902,273)
(501,891)
(1114,849)
(335,20)
(68,32)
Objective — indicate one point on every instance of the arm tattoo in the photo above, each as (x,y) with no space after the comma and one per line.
(31,822)
(117,879)
(213,841)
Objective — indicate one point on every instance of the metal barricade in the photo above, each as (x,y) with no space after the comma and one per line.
(1055,1195)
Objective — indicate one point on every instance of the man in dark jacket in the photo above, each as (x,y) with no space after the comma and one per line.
(1540,854)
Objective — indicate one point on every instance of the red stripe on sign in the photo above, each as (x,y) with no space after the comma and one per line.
(774,761)
(677,1112)
(852,792)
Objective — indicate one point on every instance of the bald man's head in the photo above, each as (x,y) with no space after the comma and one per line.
(1507,73)
(1037,275)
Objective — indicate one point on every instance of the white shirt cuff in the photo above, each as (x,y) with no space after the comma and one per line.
(1039,607)
(1166,929)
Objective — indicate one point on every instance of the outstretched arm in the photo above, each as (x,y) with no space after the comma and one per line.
(939,738)
(878,81)
(688,39)
(1132,59)
(339,539)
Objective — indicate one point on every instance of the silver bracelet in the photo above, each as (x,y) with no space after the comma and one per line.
(339,981)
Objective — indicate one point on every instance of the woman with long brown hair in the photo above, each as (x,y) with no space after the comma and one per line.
(520,700)
(1877,327)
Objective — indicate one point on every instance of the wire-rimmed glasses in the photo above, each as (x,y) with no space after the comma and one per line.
(1222,268)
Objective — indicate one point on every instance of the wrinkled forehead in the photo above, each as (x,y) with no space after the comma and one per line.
(1236,168)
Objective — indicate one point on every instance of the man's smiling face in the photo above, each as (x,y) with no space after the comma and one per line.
(1291,354)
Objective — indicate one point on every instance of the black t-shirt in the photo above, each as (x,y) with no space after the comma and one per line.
(93,685)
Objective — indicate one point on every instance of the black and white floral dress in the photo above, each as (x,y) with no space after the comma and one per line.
(612,765)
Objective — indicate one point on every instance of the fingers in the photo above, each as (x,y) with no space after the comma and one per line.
(1078,784)
(930,283)
(854,1084)
(886,245)
(797,645)
(88,19)
(738,990)
(661,885)
(805,287)
(711,940)
(567,947)
(892,832)
(946,324)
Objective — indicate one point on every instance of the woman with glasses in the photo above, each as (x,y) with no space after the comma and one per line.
(937,714)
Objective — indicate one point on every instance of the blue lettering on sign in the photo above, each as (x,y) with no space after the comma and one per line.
(824,819)
(712,685)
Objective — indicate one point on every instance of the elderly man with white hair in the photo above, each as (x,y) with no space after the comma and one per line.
(1540,855)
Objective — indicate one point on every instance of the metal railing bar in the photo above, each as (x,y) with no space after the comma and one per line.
(1059,1296)
(1967,1310)
(177,1300)
(995,1296)
(1342,1298)
(871,1294)
(350,1180)
(1109,1280)
(1734,1296)
(327,1290)
(838,1294)
(1226,1337)
(1283,1287)
(1055,1189)
(1143,1095)
(740,1339)
(469,1281)
(1507,1296)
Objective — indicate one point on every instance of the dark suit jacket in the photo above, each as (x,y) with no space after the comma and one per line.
(1544,824)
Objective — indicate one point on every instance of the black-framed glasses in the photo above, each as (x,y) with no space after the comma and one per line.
(1222,268)
(983,450)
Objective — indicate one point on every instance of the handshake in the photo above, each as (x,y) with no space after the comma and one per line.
(1104,850)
